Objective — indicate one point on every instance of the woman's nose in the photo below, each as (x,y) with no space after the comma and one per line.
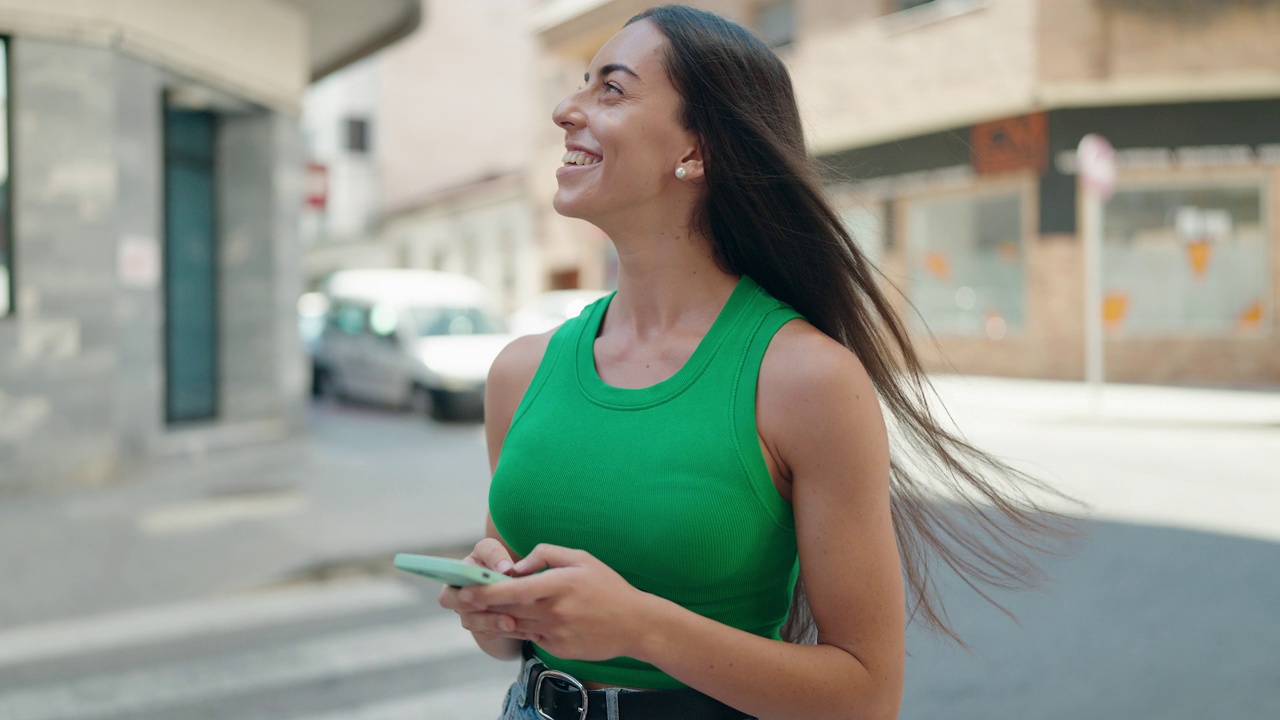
(568,114)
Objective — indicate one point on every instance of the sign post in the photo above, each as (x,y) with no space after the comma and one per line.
(1096,160)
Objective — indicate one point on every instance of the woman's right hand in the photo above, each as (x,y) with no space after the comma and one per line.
(489,628)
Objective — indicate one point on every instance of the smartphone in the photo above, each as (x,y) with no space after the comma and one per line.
(447,570)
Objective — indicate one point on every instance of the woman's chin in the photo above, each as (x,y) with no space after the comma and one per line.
(566,206)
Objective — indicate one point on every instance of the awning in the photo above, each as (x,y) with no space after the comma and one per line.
(344,31)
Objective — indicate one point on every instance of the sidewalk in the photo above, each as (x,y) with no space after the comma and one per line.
(364,484)
(360,486)
(1076,402)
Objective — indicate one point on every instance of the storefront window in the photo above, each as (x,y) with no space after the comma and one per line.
(864,224)
(6,240)
(1185,260)
(966,266)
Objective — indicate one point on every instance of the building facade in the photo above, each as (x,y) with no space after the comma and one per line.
(948,129)
(437,178)
(149,250)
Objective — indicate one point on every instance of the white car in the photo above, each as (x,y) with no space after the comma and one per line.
(411,338)
(551,309)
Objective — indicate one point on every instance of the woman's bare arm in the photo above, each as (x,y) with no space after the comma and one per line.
(509,378)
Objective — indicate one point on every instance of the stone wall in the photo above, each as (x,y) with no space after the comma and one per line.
(58,351)
(82,356)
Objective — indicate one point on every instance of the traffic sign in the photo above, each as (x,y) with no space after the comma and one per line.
(1096,160)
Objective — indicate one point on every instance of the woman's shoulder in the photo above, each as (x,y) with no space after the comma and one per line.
(807,377)
(518,362)
(510,376)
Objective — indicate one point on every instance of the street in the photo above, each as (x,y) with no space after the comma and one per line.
(256,583)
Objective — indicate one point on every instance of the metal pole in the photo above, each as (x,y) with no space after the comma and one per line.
(1093,338)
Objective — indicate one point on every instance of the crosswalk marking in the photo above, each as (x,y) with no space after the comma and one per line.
(343,654)
(188,620)
(477,701)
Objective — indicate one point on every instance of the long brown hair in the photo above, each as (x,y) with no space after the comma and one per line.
(768,218)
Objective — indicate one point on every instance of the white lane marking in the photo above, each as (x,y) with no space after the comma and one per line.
(143,691)
(217,512)
(477,701)
(184,621)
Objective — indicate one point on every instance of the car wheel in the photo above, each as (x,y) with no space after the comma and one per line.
(324,385)
(424,402)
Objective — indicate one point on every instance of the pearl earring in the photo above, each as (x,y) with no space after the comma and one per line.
(680,173)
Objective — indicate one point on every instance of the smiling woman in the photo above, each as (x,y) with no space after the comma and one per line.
(693,487)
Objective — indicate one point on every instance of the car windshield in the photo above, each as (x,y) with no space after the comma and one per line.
(452,321)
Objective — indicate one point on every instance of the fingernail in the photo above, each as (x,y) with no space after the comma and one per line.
(504,566)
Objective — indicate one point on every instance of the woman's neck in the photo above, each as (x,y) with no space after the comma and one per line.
(667,281)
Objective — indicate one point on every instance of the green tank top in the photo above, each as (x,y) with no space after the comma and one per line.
(666,484)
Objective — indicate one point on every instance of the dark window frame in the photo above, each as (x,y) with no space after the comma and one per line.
(358,135)
(8,244)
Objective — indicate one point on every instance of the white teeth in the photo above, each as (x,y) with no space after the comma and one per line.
(577,157)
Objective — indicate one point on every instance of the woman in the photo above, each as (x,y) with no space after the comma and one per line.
(668,463)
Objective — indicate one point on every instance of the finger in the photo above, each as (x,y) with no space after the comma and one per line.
(550,556)
(450,598)
(491,554)
(490,623)
(511,593)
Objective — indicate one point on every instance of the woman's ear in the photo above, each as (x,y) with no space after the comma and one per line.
(692,164)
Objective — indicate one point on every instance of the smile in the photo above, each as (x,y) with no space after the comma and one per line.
(577,157)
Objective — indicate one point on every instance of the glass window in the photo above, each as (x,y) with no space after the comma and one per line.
(348,319)
(358,135)
(1189,259)
(967,275)
(864,224)
(453,321)
(6,241)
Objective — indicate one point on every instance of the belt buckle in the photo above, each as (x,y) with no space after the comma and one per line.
(558,677)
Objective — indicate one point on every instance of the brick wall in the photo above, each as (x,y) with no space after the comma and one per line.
(1091,40)
(863,78)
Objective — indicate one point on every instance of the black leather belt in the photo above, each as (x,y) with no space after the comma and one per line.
(559,696)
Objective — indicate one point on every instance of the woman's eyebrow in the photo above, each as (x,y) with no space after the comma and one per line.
(611,68)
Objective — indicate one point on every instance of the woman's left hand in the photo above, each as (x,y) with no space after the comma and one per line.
(577,608)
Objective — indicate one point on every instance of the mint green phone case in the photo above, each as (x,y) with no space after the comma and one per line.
(447,570)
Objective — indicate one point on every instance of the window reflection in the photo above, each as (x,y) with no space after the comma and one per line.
(1186,260)
(453,321)
(967,270)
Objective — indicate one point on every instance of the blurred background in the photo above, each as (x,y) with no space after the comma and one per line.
(257,255)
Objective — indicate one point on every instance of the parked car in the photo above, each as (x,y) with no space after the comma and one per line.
(412,338)
(551,309)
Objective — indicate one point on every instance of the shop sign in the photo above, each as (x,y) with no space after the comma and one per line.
(317,180)
(1161,158)
(1019,143)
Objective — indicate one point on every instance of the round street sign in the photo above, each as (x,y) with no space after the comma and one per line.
(1096,160)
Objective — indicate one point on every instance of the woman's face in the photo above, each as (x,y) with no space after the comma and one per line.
(623,140)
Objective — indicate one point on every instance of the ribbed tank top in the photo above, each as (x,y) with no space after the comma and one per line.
(666,484)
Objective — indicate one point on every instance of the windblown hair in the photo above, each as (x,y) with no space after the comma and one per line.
(768,218)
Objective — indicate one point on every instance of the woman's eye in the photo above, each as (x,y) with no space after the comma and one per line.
(610,86)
